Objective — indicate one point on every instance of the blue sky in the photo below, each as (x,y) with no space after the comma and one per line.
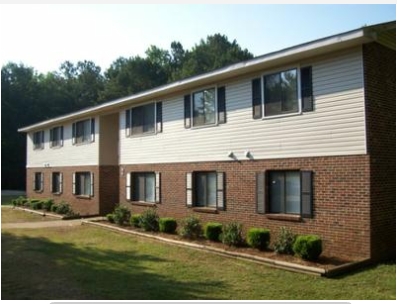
(44,36)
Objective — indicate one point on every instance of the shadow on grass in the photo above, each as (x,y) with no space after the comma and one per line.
(36,268)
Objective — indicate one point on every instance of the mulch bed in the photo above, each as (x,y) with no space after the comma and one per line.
(323,262)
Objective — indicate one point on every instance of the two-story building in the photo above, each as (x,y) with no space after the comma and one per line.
(303,138)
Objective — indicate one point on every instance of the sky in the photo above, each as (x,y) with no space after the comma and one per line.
(45,35)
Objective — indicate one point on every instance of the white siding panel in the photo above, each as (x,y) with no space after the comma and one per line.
(335,127)
(68,154)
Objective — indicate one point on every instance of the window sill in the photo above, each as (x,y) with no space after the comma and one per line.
(56,193)
(83,143)
(285,217)
(38,191)
(205,210)
(143,134)
(87,197)
(143,204)
(281,115)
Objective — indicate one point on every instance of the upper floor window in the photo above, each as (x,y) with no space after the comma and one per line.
(280,93)
(83,131)
(146,119)
(205,107)
(56,137)
(38,140)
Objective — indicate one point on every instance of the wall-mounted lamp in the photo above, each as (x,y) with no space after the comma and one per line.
(230,154)
(248,154)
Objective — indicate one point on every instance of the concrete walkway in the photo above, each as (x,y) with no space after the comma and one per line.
(46,224)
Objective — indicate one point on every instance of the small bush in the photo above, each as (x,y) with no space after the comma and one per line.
(258,238)
(110,217)
(54,208)
(64,208)
(191,228)
(36,205)
(212,231)
(167,224)
(149,220)
(121,215)
(135,220)
(232,234)
(308,247)
(47,204)
(284,241)
(25,202)
(18,201)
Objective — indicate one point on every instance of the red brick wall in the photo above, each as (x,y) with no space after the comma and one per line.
(103,190)
(380,95)
(341,198)
(109,188)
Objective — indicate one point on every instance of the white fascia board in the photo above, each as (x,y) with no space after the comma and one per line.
(317,47)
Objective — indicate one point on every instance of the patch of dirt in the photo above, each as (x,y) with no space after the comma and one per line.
(323,261)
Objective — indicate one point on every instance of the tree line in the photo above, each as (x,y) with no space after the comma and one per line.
(28,97)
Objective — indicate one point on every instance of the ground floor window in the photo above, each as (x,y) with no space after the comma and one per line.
(143,187)
(83,183)
(205,189)
(57,182)
(285,192)
(38,181)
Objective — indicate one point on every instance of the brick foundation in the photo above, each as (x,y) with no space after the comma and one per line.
(105,189)
(341,198)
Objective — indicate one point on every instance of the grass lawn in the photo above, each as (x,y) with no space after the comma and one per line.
(9,215)
(84,262)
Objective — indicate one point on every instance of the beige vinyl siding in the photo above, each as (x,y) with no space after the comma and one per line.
(335,127)
(67,155)
(109,142)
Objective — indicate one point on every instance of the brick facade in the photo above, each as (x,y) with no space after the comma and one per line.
(105,189)
(380,95)
(341,198)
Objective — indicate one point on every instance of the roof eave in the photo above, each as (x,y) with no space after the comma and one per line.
(317,47)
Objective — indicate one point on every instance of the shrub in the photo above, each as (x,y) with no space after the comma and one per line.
(36,205)
(64,208)
(135,220)
(18,201)
(308,247)
(110,217)
(232,234)
(191,227)
(284,242)
(121,215)
(258,238)
(167,224)
(47,204)
(149,220)
(54,208)
(212,231)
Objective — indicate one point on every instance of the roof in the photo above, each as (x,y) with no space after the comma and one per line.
(383,33)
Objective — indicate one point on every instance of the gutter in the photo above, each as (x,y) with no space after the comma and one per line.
(301,51)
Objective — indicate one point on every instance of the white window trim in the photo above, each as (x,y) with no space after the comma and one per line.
(193,127)
(298,84)
(155,120)
(87,142)
(60,140)
(41,147)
